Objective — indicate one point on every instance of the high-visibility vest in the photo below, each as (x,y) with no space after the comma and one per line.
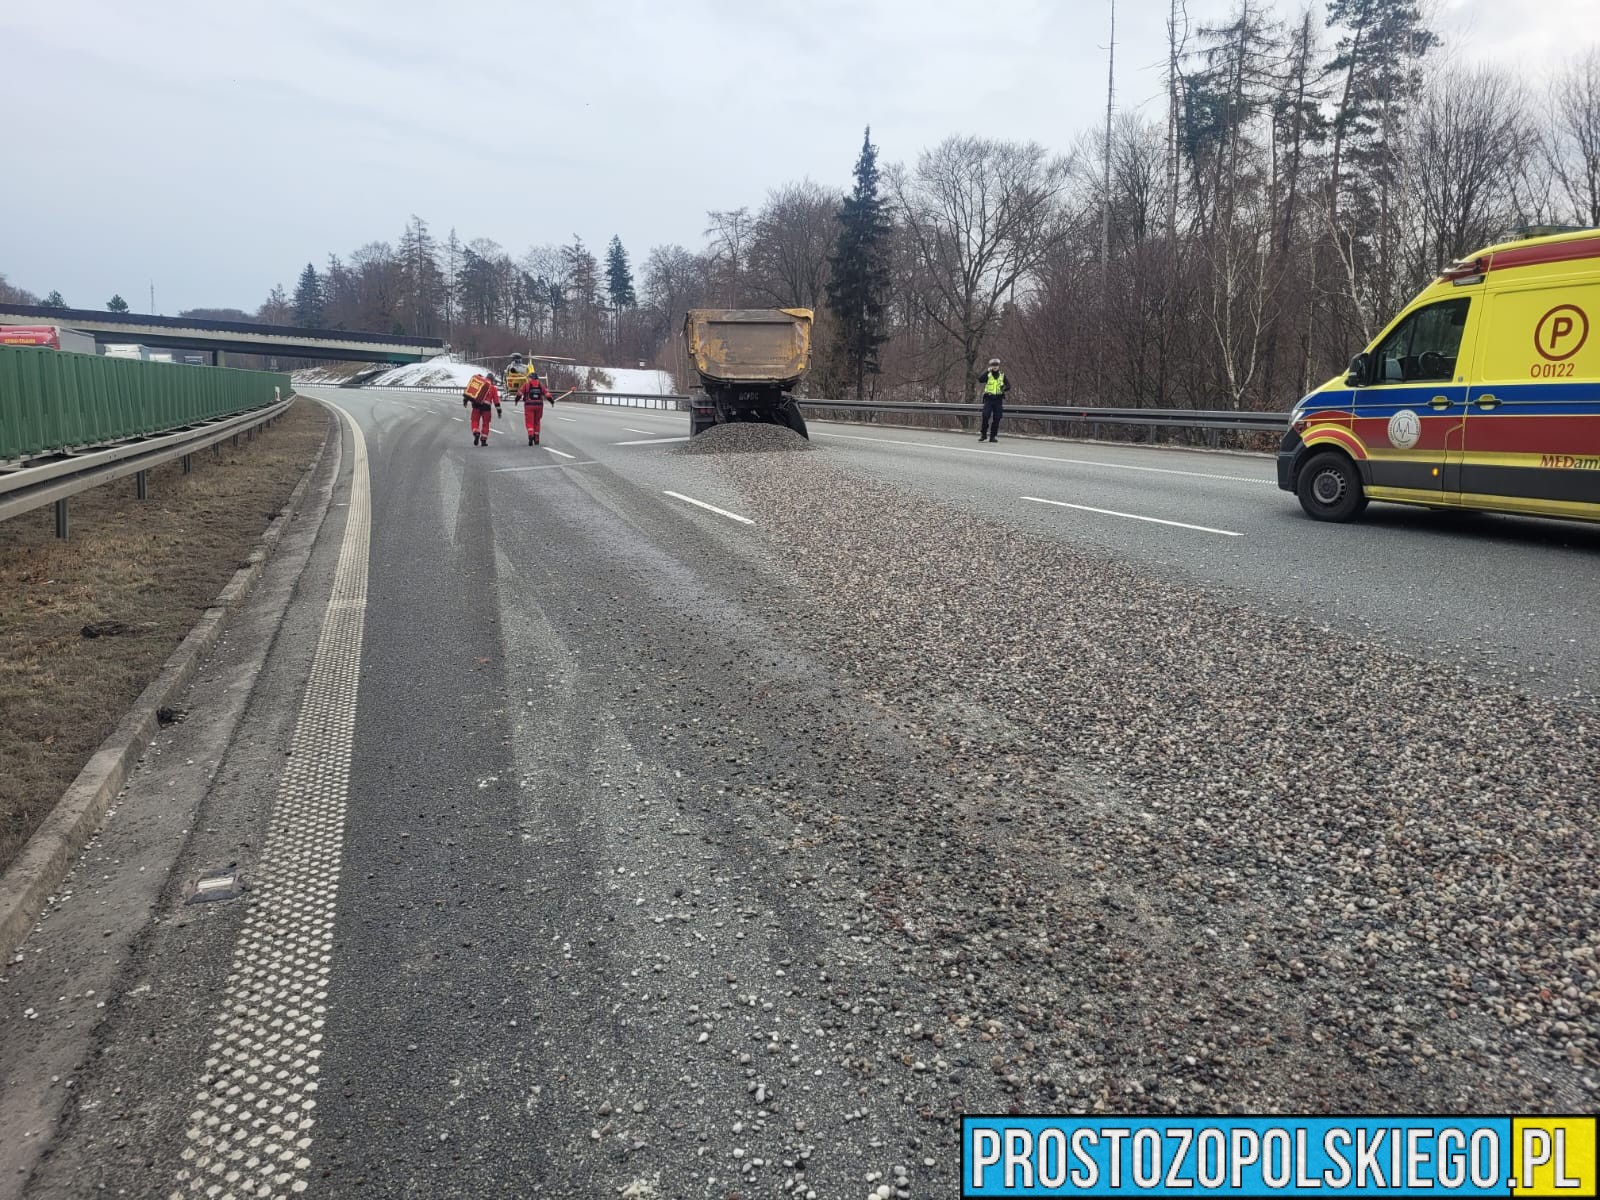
(994,385)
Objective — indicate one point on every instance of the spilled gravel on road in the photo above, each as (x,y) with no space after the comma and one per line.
(745,437)
(1179,854)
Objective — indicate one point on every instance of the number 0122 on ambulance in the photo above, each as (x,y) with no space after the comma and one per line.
(1483,393)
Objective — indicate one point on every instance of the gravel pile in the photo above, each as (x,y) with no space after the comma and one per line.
(1166,853)
(745,437)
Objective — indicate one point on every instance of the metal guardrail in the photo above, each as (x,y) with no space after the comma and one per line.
(54,481)
(1191,418)
(617,399)
(1176,418)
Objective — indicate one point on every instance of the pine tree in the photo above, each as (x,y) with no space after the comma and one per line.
(424,283)
(116,304)
(309,310)
(54,300)
(860,271)
(619,276)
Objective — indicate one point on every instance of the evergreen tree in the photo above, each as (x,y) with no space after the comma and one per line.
(54,300)
(422,282)
(116,304)
(309,310)
(619,276)
(860,271)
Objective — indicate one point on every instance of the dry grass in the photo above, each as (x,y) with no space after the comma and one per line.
(137,574)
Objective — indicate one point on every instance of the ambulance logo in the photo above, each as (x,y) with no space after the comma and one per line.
(1405,429)
(1561,332)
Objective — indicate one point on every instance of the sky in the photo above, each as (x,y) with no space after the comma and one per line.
(214,149)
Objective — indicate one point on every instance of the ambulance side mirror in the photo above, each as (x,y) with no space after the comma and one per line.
(1359,367)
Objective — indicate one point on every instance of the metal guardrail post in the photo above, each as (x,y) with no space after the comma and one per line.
(141,482)
(61,518)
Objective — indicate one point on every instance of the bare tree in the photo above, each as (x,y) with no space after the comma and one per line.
(730,234)
(790,242)
(1462,160)
(981,216)
(1573,138)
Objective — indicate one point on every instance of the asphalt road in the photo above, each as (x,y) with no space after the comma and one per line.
(574,938)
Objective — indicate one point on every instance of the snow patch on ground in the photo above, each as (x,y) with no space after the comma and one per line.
(628,380)
(436,372)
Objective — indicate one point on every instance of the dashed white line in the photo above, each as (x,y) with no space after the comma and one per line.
(1111,512)
(456,418)
(571,420)
(544,467)
(1050,458)
(651,432)
(560,453)
(721,512)
(655,441)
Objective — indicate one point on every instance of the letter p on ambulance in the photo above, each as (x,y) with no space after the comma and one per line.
(1554,1156)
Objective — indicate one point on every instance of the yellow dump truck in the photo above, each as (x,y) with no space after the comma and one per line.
(749,361)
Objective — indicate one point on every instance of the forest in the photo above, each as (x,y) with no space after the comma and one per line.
(1308,173)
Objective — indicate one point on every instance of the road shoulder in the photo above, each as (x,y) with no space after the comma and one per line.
(74,970)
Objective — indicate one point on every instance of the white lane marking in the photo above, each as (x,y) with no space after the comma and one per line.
(655,441)
(455,418)
(250,1130)
(544,467)
(721,512)
(1111,512)
(561,453)
(1050,458)
(651,432)
(572,420)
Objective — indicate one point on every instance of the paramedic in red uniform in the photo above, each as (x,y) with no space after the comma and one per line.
(481,394)
(532,395)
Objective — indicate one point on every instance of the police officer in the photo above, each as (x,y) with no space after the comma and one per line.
(994,398)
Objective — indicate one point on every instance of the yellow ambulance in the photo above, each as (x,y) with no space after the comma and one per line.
(1483,393)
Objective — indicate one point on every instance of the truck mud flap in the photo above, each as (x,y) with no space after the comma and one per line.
(790,415)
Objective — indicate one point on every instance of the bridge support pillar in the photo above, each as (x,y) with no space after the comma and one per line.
(219,358)
(61,519)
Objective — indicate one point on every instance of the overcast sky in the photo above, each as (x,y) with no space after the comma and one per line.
(216,148)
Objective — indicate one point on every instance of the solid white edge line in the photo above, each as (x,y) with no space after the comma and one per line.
(1111,512)
(561,453)
(1073,462)
(721,512)
(655,441)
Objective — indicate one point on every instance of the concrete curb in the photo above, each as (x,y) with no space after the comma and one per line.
(27,884)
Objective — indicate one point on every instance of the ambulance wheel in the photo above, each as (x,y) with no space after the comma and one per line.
(1329,487)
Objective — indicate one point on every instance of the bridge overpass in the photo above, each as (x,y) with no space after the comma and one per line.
(222,337)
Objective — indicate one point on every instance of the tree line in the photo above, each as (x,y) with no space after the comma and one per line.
(1306,177)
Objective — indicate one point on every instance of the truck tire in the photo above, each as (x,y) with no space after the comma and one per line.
(1329,487)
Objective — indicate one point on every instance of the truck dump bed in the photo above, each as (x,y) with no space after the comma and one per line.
(761,346)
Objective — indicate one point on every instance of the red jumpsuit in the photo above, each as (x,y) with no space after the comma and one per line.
(532,396)
(481,395)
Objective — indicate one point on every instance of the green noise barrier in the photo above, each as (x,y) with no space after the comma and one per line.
(53,400)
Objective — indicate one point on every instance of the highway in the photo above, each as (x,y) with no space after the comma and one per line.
(626,821)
